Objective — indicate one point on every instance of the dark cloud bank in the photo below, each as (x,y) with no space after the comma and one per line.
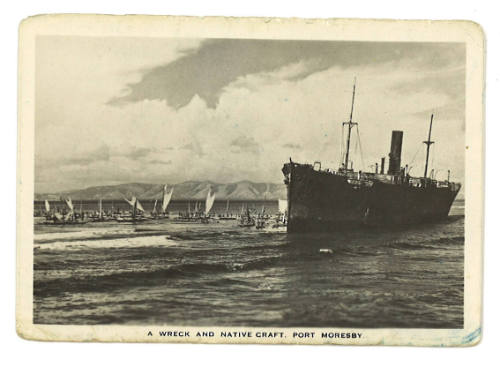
(205,71)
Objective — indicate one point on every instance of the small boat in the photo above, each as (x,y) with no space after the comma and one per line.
(137,212)
(227,215)
(65,218)
(246,220)
(130,219)
(198,216)
(167,196)
(209,202)
(261,219)
(100,217)
(282,215)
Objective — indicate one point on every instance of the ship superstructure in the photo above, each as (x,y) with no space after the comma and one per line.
(328,200)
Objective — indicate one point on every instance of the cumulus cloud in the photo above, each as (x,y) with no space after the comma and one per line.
(206,112)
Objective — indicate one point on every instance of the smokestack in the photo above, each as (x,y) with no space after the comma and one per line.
(376,167)
(382,166)
(395,154)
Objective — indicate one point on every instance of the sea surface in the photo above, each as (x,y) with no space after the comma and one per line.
(219,274)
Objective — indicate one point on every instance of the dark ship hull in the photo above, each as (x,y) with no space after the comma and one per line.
(324,200)
(334,201)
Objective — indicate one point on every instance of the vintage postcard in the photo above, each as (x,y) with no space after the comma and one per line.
(250,180)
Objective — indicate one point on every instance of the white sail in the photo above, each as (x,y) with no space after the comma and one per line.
(131,201)
(69,203)
(282,205)
(166,198)
(47,206)
(100,208)
(154,206)
(210,201)
(139,206)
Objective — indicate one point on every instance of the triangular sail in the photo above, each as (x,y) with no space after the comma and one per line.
(167,196)
(139,206)
(134,209)
(47,206)
(100,208)
(69,203)
(210,201)
(154,207)
(282,205)
(131,201)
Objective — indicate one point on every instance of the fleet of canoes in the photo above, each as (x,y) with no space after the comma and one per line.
(68,215)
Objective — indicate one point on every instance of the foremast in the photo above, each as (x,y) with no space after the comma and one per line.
(428,142)
(349,124)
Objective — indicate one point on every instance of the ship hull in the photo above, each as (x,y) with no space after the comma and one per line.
(320,201)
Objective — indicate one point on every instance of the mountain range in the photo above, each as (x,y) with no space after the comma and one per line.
(189,190)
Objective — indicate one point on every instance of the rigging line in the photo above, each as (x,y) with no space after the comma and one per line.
(355,150)
(360,150)
(342,147)
(432,160)
(415,156)
(356,143)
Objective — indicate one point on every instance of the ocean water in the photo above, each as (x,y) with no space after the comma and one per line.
(218,274)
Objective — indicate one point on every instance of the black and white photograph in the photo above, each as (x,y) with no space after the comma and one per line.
(250,183)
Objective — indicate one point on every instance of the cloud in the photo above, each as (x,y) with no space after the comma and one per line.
(137,153)
(448,81)
(246,144)
(157,161)
(292,146)
(194,147)
(205,71)
(102,153)
(274,100)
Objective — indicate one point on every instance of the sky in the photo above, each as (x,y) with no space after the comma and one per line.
(167,110)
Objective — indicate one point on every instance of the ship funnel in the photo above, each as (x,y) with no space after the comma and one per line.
(395,154)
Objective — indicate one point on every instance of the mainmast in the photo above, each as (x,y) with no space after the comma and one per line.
(350,124)
(428,142)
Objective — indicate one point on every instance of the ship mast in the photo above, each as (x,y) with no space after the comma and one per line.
(350,124)
(428,142)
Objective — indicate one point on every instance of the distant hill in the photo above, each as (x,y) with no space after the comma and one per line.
(242,190)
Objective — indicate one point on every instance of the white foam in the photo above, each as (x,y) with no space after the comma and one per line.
(83,233)
(131,242)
